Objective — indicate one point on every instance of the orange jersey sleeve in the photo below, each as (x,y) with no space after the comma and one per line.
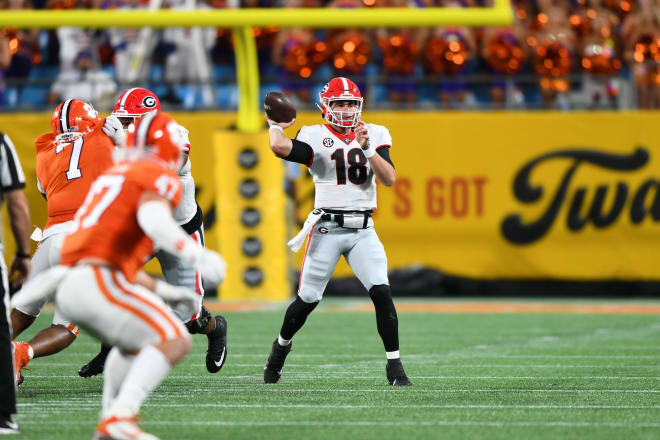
(66,171)
(106,225)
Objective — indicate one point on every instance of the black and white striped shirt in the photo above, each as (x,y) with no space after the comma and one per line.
(11,173)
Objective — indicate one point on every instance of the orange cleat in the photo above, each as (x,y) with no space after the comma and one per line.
(21,359)
(121,428)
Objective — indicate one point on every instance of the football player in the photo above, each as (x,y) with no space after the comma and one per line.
(126,214)
(344,157)
(69,159)
(131,106)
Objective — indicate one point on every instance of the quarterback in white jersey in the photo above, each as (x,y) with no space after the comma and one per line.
(344,157)
(131,105)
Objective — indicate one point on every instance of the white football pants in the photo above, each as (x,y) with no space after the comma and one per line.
(326,242)
(102,302)
(46,256)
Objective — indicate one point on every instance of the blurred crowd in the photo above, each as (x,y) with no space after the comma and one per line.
(556,52)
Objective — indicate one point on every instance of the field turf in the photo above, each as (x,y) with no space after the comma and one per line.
(481,370)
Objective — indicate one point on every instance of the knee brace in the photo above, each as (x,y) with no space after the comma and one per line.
(199,324)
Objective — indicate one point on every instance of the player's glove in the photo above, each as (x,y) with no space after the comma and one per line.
(115,131)
(211,265)
(177,295)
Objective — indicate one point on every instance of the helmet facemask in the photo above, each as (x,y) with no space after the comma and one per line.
(341,118)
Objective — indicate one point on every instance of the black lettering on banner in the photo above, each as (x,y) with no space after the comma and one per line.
(638,211)
(600,220)
(517,231)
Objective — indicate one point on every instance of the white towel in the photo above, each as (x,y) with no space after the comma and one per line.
(37,235)
(296,242)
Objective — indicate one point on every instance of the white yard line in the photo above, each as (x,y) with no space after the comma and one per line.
(38,364)
(227,388)
(494,424)
(67,405)
(426,357)
(315,375)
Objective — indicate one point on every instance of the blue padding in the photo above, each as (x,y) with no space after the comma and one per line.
(44,72)
(33,96)
(222,72)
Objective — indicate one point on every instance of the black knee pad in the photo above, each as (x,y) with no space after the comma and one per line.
(382,290)
(381,296)
(199,324)
(298,311)
(302,305)
(295,316)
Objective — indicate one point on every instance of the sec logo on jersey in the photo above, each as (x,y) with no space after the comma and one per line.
(328,142)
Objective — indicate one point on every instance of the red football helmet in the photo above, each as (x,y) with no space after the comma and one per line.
(340,89)
(73,116)
(157,135)
(134,103)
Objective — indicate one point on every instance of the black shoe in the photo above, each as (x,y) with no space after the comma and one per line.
(20,380)
(217,351)
(273,368)
(95,366)
(7,426)
(395,374)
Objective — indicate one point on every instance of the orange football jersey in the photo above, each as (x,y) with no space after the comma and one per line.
(67,170)
(106,224)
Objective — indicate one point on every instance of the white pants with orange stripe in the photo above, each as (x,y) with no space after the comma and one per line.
(46,256)
(102,302)
(326,243)
(180,273)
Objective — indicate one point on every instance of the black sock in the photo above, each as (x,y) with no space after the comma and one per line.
(295,317)
(200,324)
(105,349)
(386,319)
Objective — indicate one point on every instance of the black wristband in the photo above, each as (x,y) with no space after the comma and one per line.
(22,255)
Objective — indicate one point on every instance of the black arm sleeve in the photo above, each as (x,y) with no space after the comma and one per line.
(384,152)
(301,153)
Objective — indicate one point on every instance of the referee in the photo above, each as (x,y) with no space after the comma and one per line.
(12,182)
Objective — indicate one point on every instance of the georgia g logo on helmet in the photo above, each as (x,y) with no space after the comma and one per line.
(149,102)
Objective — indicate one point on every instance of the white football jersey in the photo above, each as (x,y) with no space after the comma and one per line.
(342,176)
(188,206)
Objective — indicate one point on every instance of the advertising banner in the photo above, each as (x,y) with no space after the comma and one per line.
(541,195)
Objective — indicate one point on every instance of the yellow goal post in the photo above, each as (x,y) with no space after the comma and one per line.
(241,22)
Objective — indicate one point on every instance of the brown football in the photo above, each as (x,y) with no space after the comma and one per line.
(279,107)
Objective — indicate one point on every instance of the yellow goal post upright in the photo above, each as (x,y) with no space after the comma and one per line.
(249,179)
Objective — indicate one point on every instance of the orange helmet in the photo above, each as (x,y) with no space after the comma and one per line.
(73,116)
(157,135)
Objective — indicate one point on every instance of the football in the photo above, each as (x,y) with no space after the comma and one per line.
(279,107)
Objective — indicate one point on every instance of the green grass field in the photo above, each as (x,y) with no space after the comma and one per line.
(476,376)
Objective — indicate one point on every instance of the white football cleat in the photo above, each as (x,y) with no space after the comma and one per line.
(121,428)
